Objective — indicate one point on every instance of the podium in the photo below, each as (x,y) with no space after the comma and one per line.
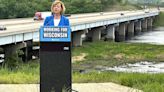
(55,59)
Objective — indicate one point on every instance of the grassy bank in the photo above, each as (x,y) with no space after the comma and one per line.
(101,54)
(127,51)
(145,82)
(159,21)
(27,73)
(111,54)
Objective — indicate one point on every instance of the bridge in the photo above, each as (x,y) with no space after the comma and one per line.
(116,26)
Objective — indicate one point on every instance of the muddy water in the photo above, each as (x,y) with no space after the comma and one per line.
(154,36)
(141,67)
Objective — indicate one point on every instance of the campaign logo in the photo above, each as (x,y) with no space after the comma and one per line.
(55,34)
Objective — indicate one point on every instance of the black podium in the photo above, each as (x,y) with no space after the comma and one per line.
(55,59)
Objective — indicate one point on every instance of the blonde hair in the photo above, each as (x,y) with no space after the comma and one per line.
(62,6)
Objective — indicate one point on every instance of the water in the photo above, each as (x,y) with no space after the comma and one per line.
(1,58)
(156,36)
(140,67)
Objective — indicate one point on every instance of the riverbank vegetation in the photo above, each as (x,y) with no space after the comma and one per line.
(145,82)
(159,20)
(111,54)
(100,54)
(26,73)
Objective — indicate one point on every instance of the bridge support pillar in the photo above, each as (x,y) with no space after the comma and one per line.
(150,22)
(95,34)
(120,33)
(10,50)
(144,25)
(110,32)
(27,51)
(77,37)
(130,30)
(138,28)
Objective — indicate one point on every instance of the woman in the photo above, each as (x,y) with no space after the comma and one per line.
(57,18)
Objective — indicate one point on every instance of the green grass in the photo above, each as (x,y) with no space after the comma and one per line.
(128,51)
(145,82)
(112,53)
(27,73)
(103,54)
(159,21)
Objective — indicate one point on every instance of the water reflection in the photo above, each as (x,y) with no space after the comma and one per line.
(156,36)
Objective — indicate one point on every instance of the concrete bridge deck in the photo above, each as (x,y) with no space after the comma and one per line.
(116,26)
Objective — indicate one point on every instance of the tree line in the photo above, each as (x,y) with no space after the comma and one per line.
(27,8)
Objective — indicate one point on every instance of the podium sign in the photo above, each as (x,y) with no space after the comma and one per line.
(55,59)
(55,34)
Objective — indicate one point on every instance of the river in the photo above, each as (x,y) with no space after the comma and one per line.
(154,36)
